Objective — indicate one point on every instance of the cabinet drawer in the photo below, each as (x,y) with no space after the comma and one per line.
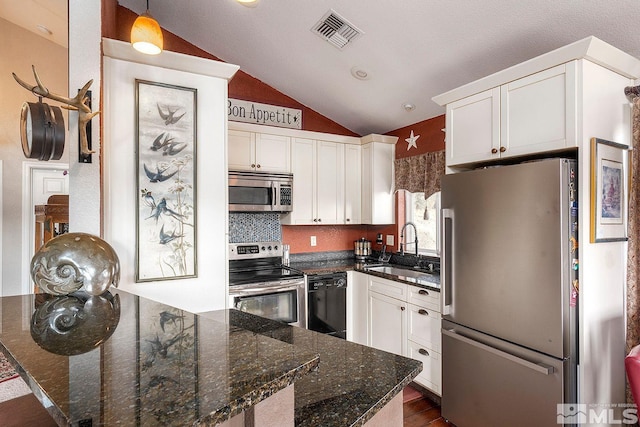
(390,288)
(424,327)
(424,297)
(431,375)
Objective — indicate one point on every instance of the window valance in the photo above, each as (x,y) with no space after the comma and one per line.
(420,173)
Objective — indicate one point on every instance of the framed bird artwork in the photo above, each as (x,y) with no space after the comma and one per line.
(166,187)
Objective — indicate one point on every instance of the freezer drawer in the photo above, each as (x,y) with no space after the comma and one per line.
(488,382)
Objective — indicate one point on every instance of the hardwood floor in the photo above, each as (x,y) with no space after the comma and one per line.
(420,411)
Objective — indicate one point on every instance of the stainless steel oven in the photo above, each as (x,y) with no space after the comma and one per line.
(259,284)
(260,192)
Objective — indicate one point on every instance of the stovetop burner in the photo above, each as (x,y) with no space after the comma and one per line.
(257,263)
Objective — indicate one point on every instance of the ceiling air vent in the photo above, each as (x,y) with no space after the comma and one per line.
(336,30)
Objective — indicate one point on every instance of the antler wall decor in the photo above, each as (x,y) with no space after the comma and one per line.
(77,103)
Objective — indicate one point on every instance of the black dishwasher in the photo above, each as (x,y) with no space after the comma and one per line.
(327,304)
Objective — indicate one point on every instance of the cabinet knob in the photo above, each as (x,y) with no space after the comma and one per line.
(315,219)
(253,165)
(348,220)
(402,308)
(423,292)
(502,150)
(319,219)
(423,352)
(494,151)
(423,312)
(258,166)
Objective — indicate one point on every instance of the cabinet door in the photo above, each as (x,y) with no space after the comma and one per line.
(304,192)
(273,153)
(423,327)
(357,305)
(241,153)
(431,375)
(387,323)
(377,183)
(473,128)
(352,184)
(539,112)
(329,182)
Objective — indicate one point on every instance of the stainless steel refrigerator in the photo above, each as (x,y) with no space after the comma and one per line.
(509,273)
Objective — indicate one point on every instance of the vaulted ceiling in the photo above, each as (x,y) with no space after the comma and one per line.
(410,50)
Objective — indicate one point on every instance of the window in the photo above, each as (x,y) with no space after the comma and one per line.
(425,214)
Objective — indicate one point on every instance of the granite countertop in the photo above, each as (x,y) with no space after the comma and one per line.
(309,267)
(352,383)
(121,359)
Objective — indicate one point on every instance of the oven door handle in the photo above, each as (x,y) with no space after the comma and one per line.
(265,290)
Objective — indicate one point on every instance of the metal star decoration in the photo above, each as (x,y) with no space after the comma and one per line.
(412,141)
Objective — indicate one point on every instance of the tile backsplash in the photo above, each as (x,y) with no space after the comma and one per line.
(254,227)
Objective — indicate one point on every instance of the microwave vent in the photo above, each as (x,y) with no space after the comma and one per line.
(336,30)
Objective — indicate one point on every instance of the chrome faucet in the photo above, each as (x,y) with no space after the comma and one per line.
(402,242)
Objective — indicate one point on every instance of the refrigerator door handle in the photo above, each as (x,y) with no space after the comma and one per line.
(538,367)
(446,261)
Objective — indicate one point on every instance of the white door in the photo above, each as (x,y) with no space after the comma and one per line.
(41,181)
(387,323)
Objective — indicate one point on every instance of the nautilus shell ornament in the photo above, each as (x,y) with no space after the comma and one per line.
(75,261)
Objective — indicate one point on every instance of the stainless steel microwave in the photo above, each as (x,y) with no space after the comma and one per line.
(260,192)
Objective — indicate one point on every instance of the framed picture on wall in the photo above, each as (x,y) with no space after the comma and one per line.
(166,181)
(609,180)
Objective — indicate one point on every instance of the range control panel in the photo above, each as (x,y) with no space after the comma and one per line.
(254,250)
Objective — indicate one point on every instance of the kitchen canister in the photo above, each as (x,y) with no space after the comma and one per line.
(362,248)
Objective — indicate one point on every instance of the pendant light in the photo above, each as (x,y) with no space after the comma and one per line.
(146,35)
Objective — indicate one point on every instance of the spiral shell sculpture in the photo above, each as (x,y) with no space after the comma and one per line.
(75,261)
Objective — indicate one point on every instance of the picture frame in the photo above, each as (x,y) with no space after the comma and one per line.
(609,183)
(166,225)
(166,364)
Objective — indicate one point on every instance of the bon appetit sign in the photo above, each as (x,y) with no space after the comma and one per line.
(263,114)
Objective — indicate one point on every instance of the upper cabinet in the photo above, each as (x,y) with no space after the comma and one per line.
(318,187)
(337,179)
(552,103)
(259,152)
(378,153)
(533,114)
(352,184)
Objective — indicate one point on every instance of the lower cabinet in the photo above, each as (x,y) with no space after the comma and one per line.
(405,320)
(387,323)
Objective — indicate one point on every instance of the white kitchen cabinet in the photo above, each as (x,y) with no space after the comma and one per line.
(405,319)
(431,375)
(318,189)
(533,114)
(352,184)
(387,323)
(357,307)
(259,152)
(377,180)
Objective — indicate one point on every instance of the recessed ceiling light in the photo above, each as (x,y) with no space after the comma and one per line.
(408,106)
(359,73)
(44,30)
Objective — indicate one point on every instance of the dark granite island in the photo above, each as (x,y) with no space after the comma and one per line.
(354,385)
(126,360)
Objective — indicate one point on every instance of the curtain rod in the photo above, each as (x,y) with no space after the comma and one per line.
(632,92)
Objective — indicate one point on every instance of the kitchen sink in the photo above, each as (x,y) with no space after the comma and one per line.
(405,274)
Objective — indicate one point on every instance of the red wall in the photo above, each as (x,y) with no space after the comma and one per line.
(117,21)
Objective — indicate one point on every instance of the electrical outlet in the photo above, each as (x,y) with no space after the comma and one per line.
(390,240)
(313,241)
